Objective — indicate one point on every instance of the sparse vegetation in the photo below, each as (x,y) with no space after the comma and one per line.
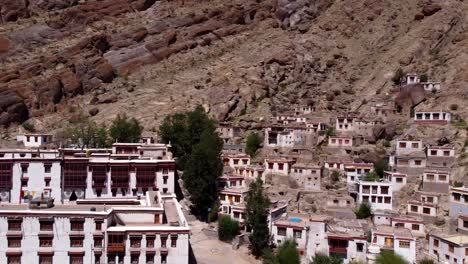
(324,259)
(386,143)
(84,132)
(423,77)
(398,76)
(228,228)
(29,127)
(454,107)
(372,176)
(124,129)
(364,211)
(381,166)
(331,132)
(335,177)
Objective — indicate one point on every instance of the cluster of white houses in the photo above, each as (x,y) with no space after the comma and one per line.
(77,206)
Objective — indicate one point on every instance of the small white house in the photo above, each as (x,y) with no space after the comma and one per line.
(398,239)
(447,248)
(335,141)
(414,224)
(355,170)
(34,140)
(421,208)
(280,166)
(458,201)
(432,117)
(397,179)
(408,146)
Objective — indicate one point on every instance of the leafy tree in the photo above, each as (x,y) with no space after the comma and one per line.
(398,76)
(381,166)
(364,211)
(253,144)
(257,209)
(423,77)
(124,129)
(174,130)
(335,176)
(84,132)
(29,126)
(213,215)
(201,172)
(331,132)
(228,228)
(389,257)
(324,259)
(426,261)
(287,253)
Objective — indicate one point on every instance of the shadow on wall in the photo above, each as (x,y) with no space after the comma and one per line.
(192,259)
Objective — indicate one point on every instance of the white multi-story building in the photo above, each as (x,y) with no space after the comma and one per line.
(148,230)
(337,141)
(414,224)
(281,166)
(378,194)
(399,240)
(356,170)
(445,248)
(289,135)
(126,170)
(234,160)
(436,180)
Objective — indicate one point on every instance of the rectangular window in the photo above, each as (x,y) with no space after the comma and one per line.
(134,258)
(14,224)
(46,225)
(14,242)
(297,234)
(426,210)
(414,208)
(442,177)
(415,227)
(446,153)
(98,242)
(47,168)
(359,247)
(433,152)
(430,177)
(76,259)
(48,259)
(174,241)
(281,231)
(135,242)
(45,241)
(417,162)
(14,259)
(465,224)
(456,196)
(402,145)
(149,241)
(76,241)
(163,241)
(436,243)
(280,166)
(451,248)
(414,145)
(77,225)
(98,226)
(404,244)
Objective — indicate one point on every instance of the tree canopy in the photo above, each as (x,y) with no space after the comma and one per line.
(197,147)
(124,129)
(286,253)
(228,228)
(257,210)
(389,257)
(364,211)
(324,259)
(86,133)
(381,166)
(252,144)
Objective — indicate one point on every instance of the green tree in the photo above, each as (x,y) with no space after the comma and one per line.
(253,144)
(398,76)
(257,209)
(324,259)
(201,172)
(228,228)
(84,132)
(381,166)
(389,257)
(331,132)
(426,261)
(364,211)
(288,253)
(371,176)
(174,130)
(124,129)
(335,176)
(423,77)
(213,215)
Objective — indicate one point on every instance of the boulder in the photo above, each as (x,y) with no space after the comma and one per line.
(105,72)
(93,111)
(70,83)
(4,45)
(431,9)
(419,16)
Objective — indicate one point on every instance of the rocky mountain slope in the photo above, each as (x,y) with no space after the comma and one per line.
(241,59)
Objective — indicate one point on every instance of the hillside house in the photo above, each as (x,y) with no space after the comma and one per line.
(228,132)
(383,217)
(295,226)
(307,176)
(432,117)
(233,160)
(399,240)
(249,171)
(412,78)
(414,224)
(436,180)
(347,240)
(397,179)
(428,197)
(378,194)
(440,156)
(34,140)
(431,86)
(288,136)
(458,201)
(231,181)
(343,141)
(232,202)
(356,170)
(346,123)
(424,209)
(281,166)
(383,110)
(462,223)
(339,200)
(408,146)
(448,248)
(336,162)
(408,155)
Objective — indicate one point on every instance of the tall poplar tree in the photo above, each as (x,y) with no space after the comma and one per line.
(257,210)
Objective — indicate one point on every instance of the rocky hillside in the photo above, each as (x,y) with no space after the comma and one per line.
(241,59)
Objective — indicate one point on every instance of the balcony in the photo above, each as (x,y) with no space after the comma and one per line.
(338,250)
(116,247)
